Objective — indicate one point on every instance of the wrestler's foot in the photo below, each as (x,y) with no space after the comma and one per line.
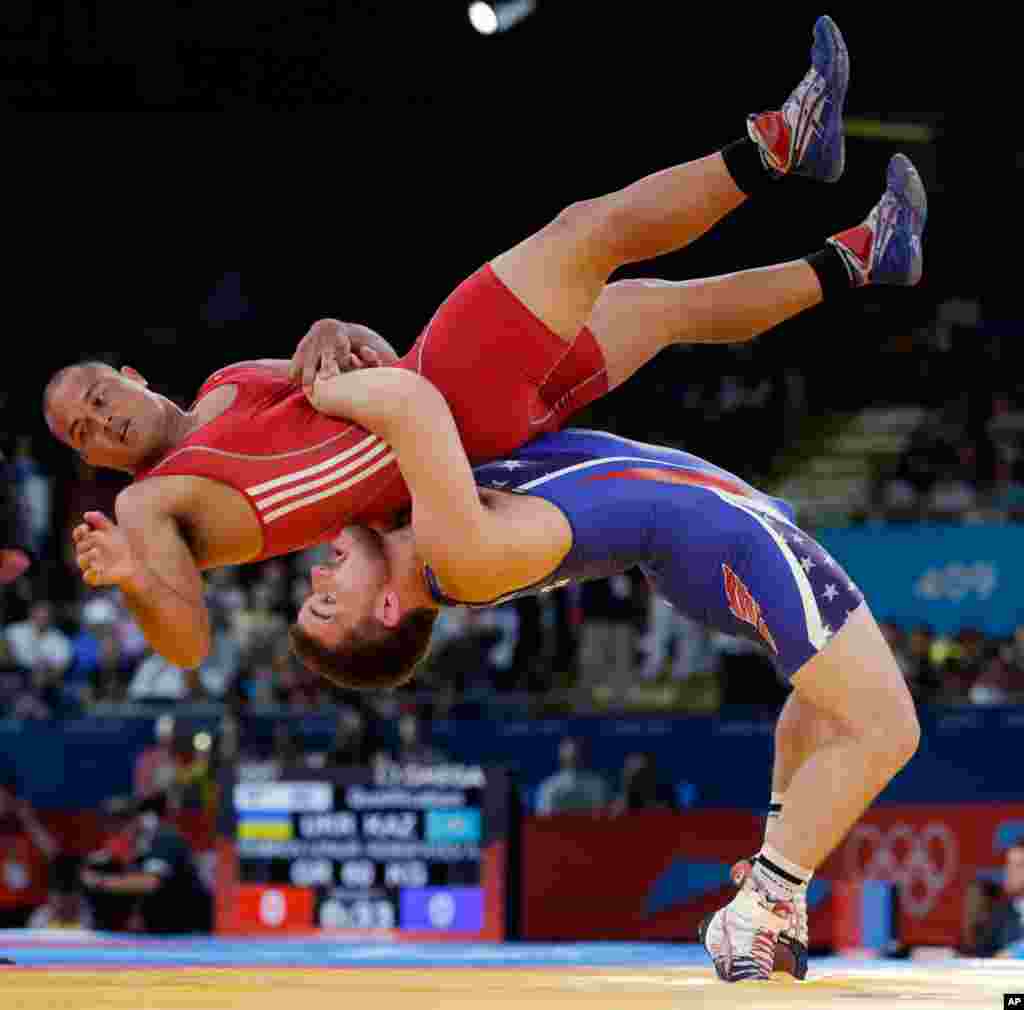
(741,938)
(805,136)
(791,950)
(886,247)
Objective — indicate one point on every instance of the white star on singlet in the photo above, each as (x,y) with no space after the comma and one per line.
(511,464)
(830,592)
(827,629)
(807,563)
(796,538)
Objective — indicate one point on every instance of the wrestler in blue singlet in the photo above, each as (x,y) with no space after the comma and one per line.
(719,550)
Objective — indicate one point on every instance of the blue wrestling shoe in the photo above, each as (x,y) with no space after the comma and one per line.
(805,137)
(886,247)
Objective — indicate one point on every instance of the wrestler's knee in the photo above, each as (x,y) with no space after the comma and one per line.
(895,732)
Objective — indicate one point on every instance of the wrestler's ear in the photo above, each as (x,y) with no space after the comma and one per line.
(388,608)
(129,373)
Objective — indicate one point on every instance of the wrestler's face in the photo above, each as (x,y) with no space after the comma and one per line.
(347,587)
(108,417)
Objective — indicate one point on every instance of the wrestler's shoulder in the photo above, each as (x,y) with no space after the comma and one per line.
(255,370)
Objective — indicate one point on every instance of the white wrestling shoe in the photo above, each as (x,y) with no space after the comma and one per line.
(742,937)
(791,952)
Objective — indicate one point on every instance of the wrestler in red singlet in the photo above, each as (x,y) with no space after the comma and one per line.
(506,376)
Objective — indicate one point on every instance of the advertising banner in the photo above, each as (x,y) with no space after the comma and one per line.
(949,577)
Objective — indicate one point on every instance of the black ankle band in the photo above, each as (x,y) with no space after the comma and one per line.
(833,276)
(774,809)
(779,872)
(743,160)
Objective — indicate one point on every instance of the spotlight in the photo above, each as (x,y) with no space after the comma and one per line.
(488,18)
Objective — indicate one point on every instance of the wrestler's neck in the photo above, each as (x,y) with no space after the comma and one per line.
(181,424)
(407,568)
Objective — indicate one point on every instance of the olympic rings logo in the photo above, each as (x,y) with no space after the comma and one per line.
(923,862)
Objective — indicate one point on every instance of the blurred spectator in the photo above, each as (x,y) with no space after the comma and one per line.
(572,787)
(999,921)
(94,650)
(114,912)
(26,847)
(158,679)
(413,749)
(951,497)
(161,874)
(1002,677)
(193,786)
(353,745)
(221,666)
(923,677)
(259,627)
(642,788)
(463,660)
(66,907)
(34,490)
(672,634)
(38,645)
(43,652)
(606,634)
(287,750)
(15,535)
(156,767)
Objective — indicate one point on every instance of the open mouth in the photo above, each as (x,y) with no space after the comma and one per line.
(124,430)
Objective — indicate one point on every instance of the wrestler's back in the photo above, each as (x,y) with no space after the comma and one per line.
(275,475)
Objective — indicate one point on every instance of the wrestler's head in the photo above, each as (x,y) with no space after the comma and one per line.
(369,617)
(109,417)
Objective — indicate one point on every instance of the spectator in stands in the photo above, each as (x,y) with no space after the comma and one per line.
(1002,677)
(952,496)
(66,907)
(260,628)
(413,749)
(352,746)
(33,487)
(15,536)
(923,676)
(1008,490)
(462,661)
(26,847)
(38,645)
(1001,923)
(193,786)
(573,787)
(222,665)
(158,679)
(156,767)
(607,633)
(94,648)
(43,652)
(162,874)
(670,633)
(642,788)
(287,749)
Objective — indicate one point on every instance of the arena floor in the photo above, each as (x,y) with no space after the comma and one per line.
(58,971)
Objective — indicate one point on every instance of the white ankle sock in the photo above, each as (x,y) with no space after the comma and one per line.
(778,876)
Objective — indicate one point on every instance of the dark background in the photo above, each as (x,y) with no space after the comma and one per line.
(193,184)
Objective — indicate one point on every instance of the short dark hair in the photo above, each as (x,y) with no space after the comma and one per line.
(58,377)
(371,656)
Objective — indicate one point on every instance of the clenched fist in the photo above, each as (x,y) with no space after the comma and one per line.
(102,551)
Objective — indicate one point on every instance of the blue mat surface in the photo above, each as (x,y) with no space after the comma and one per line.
(59,948)
(110,949)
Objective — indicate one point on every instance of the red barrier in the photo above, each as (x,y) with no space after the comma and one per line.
(653,875)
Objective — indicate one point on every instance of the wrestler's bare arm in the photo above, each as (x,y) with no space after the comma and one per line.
(476,553)
(146,555)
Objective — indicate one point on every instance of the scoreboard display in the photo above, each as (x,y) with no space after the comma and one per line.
(404,850)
